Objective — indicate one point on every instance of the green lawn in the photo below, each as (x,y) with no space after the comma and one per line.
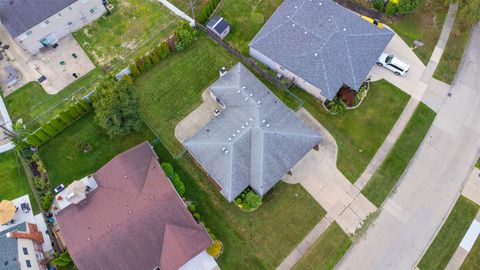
(386,177)
(326,251)
(478,163)
(64,159)
(122,33)
(31,101)
(425,23)
(472,262)
(173,88)
(246,18)
(13,180)
(451,234)
(255,240)
(453,52)
(360,132)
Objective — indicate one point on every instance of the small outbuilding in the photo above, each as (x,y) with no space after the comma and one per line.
(12,76)
(219,26)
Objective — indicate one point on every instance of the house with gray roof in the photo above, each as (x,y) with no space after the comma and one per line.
(320,45)
(38,24)
(254,141)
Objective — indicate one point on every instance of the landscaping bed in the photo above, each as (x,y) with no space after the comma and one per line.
(360,132)
(450,235)
(397,160)
(326,251)
(425,24)
(132,24)
(14,182)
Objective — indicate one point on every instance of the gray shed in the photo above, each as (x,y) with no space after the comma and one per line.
(219,26)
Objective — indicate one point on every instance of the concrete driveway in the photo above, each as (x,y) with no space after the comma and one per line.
(411,83)
(32,67)
(318,174)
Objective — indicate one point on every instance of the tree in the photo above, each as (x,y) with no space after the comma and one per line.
(116,109)
(63,260)
(406,6)
(379,4)
(392,9)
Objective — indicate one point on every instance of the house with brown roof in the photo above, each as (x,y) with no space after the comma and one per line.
(131,218)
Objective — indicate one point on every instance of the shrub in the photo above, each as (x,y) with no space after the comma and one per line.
(164,50)
(337,106)
(139,61)
(178,184)
(40,184)
(191,208)
(392,9)
(406,6)
(148,61)
(253,200)
(168,169)
(63,260)
(79,107)
(33,140)
(154,57)
(86,105)
(59,125)
(65,117)
(47,200)
(134,70)
(196,216)
(215,249)
(41,135)
(379,4)
(72,112)
(49,129)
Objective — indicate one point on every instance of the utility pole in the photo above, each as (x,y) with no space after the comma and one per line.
(193,9)
(8,132)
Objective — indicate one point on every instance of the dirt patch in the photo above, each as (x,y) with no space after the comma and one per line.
(132,44)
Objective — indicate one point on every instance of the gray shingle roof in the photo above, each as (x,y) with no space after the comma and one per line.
(218,24)
(20,15)
(255,140)
(322,42)
(9,248)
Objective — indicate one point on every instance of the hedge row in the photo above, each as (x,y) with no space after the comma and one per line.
(207,11)
(58,123)
(174,178)
(181,39)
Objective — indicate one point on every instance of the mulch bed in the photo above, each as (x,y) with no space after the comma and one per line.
(347,95)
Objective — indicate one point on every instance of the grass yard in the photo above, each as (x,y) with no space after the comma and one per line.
(31,101)
(425,24)
(246,18)
(360,132)
(173,88)
(132,23)
(326,251)
(478,163)
(255,240)
(13,180)
(450,235)
(472,262)
(453,52)
(64,159)
(386,177)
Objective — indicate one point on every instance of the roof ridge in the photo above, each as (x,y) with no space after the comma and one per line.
(349,61)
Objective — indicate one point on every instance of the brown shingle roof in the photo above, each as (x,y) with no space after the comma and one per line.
(133,220)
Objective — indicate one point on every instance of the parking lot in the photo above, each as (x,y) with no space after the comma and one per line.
(57,64)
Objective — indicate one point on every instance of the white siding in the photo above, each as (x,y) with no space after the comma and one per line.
(77,15)
(22,258)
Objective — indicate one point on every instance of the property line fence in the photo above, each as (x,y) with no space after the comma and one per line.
(349,4)
(158,140)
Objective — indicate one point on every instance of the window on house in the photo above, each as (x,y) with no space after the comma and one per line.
(45,23)
(68,25)
(39,256)
(94,10)
(28,33)
(29,264)
(84,1)
(25,251)
(59,15)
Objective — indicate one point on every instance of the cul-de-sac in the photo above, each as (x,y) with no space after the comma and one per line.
(239,134)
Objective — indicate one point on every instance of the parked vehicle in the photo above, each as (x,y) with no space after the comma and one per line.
(392,63)
(59,188)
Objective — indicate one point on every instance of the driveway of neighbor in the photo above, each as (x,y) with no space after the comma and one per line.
(318,174)
(31,67)
(198,118)
(411,216)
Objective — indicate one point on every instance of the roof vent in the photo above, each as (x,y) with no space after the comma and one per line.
(243,87)
(329,19)
(229,139)
(238,91)
(223,71)
(233,135)
(243,126)
(246,98)
(344,29)
(251,95)
(238,130)
(320,3)
(259,102)
(246,123)
(224,148)
(268,125)
(226,152)
(263,121)
(306,32)
(293,25)
(316,54)
(251,119)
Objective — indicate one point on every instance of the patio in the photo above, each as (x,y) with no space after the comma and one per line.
(32,67)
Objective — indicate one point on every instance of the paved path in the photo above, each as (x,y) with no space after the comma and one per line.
(472,188)
(418,83)
(432,183)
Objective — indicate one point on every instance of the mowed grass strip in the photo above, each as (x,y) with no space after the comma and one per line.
(326,251)
(65,159)
(472,262)
(453,52)
(252,240)
(172,89)
(132,22)
(478,163)
(360,132)
(246,18)
(13,179)
(450,235)
(31,101)
(425,23)
(386,177)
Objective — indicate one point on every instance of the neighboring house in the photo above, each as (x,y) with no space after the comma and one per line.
(127,216)
(24,243)
(255,141)
(219,26)
(320,45)
(38,24)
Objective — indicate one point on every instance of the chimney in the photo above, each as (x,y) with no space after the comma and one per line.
(223,71)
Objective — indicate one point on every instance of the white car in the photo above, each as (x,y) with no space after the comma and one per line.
(389,61)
